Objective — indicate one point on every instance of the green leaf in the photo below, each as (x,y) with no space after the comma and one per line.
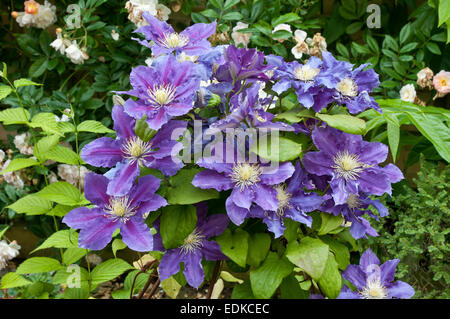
(171,287)
(393,132)
(405,32)
(143,131)
(72,255)
(19,163)
(354,27)
(409,47)
(24,82)
(267,278)
(210,13)
(38,67)
(44,145)
(64,155)
(4,73)
(230,3)
(290,289)
(435,130)
(329,223)
(70,275)
(177,222)
(109,270)
(37,265)
(258,247)
(117,244)
(3,231)
(311,255)
(243,291)
(62,239)
(331,281)
(234,245)
(61,193)
(13,280)
(433,48)
(341,252)
(60,210)
(232,16)
(93,127)
(31,205)
(4,91)
(260,41)
(346,123)
(285,18)
(182,192)
(277,149)
(76,293)
(16,115)
(47,122)
(444,12)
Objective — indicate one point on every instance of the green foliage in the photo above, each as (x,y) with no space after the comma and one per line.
(417,230)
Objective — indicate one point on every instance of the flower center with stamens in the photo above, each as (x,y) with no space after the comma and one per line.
(192,242)
(306,73)
(244,174)
(135,148)
(347,87)
(374,290)
(283,197)
(161,94)
(443,82)
(347,165)
(174,40)
(120,208)
(353,201)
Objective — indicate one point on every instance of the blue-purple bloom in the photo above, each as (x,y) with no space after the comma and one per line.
(293,203)
(246,112)
(250,182)
(191,41)
(116,212)
(240,65)
(352,163)
(196,246)
(373,281)
(352,87)
(129,152)
(163,91)
(356,206)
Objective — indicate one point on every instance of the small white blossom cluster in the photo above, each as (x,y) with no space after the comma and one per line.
(71,49)
(36,15)
(408,93)
(8,252)
(312,47)
(137,7)
(69,173)
(64,117)
(22,143)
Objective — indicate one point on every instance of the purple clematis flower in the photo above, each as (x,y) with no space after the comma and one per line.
(240,65)
(246,112)
(116,212)
(353,210)
(308,80)
(352,87)
(249,182)
(196,246)
(164,91)
(352,163)
(293,203)
(191,41)
(373,281)
(129,152)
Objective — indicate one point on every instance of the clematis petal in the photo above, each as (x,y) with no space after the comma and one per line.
(136,234)
(102,152)
(193,270)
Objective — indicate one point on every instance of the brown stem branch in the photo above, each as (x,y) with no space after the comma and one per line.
(213,279)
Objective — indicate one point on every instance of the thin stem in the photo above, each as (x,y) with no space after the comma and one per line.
(155,286)
(213,279)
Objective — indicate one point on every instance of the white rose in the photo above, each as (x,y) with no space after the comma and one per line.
(408,93)
(74,53)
